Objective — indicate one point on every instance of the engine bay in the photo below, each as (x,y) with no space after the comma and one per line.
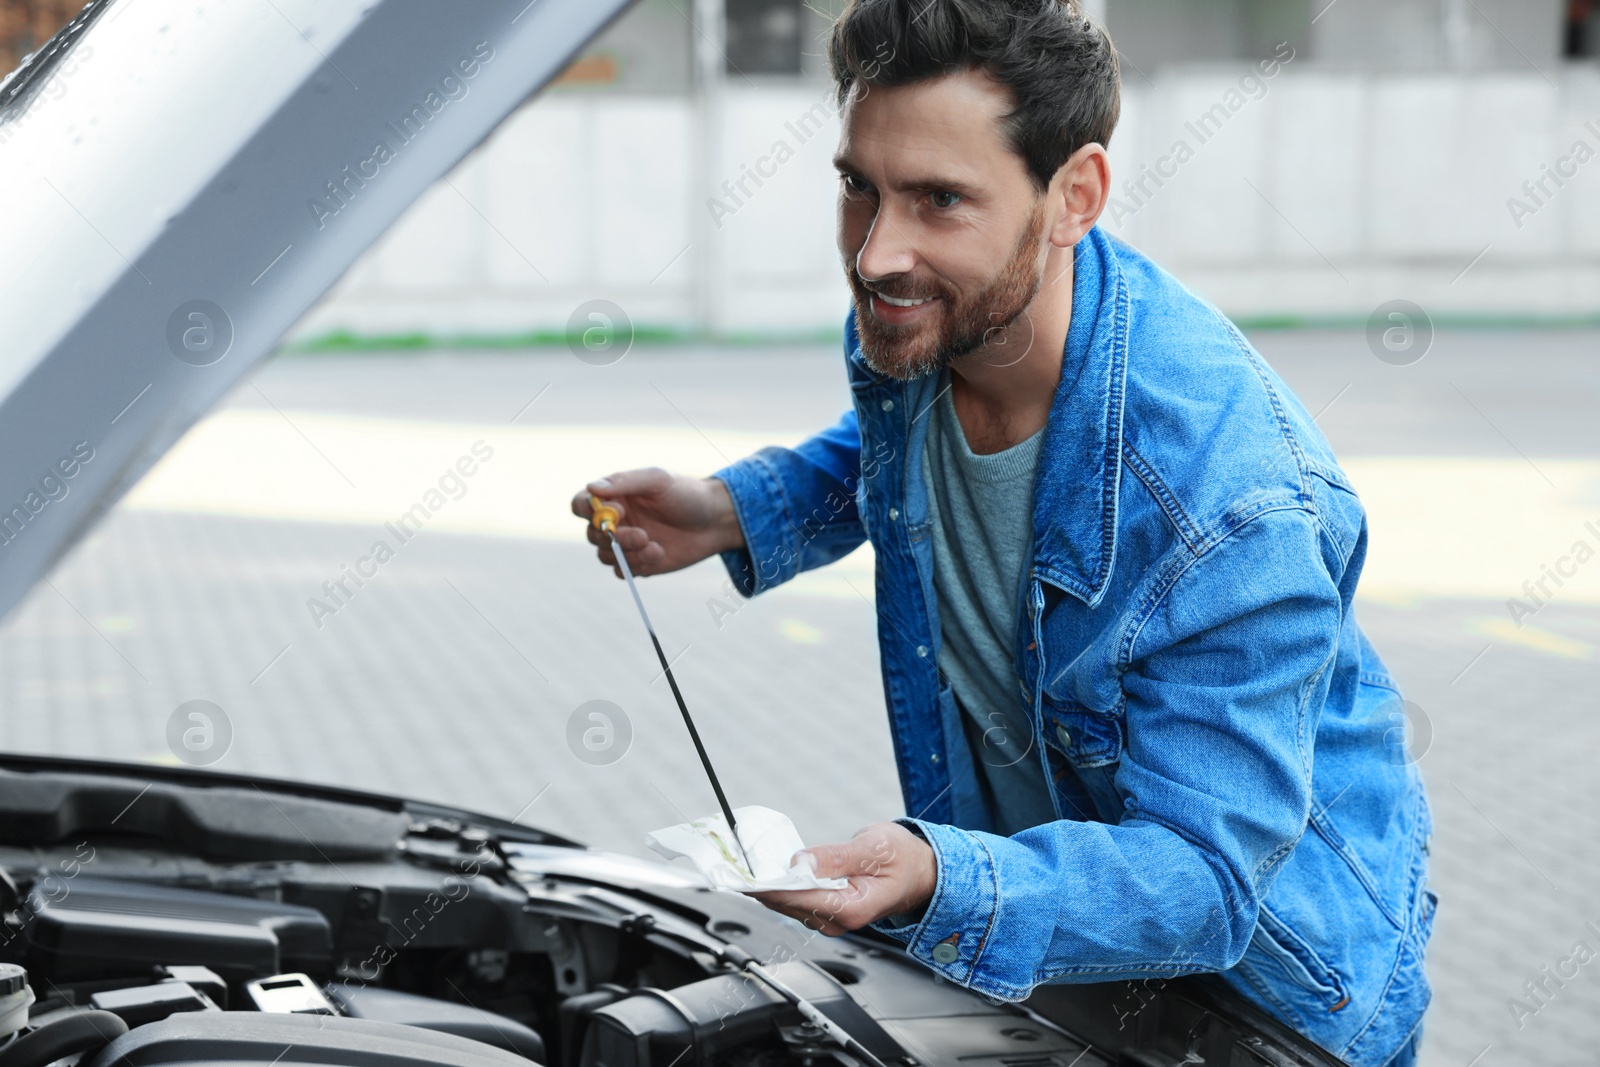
(217,921)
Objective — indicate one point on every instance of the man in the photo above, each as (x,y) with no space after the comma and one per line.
(1136,724)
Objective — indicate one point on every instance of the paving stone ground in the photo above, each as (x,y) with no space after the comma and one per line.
(454,676)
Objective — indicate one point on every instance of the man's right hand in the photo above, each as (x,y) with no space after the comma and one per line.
(668,521)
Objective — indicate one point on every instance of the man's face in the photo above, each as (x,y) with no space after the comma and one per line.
(940,227)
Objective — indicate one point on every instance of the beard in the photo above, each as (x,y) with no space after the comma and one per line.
(962,326)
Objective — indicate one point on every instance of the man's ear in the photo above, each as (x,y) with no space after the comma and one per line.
(1081,186)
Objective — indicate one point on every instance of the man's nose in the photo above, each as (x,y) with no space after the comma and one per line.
(888,250)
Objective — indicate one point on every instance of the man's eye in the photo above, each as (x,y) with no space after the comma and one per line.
(944,199)
(854,184)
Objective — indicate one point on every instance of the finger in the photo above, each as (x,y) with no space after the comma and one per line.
(822,922)
(647,560)
(836,861)
(583,502)
(835,911)
(602,547)
(824,905)
(641,482)
(631,538)
(851,918)
(644,560)
(631,482)
(635,541)
(779,902)
(585,508)
(801,899)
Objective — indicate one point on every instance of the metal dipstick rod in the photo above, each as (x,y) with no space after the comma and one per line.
(605,519)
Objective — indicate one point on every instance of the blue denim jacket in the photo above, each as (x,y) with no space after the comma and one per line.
(1232,788)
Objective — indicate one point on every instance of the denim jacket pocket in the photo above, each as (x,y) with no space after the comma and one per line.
(1279,963)
(1088,738)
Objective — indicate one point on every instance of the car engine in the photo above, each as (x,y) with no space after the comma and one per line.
(156,917)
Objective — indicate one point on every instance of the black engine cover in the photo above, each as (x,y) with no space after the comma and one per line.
(221,1038)
(105,924)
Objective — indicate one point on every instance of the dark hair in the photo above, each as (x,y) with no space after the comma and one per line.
(1060,67)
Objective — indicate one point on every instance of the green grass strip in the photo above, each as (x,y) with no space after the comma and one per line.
(422,341)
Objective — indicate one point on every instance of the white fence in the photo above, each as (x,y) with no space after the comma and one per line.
(1298,192)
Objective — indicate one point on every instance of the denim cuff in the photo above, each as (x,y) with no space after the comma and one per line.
(767,559)
(950,935)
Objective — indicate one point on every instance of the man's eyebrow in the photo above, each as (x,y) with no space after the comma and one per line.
(940,185)
(920,185)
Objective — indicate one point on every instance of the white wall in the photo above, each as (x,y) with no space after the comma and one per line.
(1365,188)
(586,197)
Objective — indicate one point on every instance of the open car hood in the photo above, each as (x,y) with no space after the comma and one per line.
(182,182)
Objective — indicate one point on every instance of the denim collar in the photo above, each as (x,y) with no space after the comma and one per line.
(1080,468)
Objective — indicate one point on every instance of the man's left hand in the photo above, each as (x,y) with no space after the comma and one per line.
(891,870)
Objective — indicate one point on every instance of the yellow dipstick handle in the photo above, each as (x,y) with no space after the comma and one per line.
(605,515)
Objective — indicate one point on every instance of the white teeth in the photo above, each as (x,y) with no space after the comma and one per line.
(892,302)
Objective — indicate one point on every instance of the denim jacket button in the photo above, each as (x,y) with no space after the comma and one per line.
(888,405)
(1064,736)
(945,952)
(894,513)
(922,650)
(934,758)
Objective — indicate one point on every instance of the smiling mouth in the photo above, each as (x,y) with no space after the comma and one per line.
(900,302)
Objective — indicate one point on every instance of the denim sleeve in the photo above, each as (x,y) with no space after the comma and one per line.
(1225,668)
(796,507)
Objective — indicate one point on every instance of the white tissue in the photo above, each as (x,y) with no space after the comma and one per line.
(769,839)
